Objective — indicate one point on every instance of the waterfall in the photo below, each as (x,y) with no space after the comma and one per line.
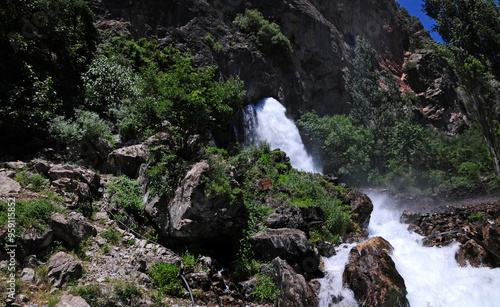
(432,276)
(267,121)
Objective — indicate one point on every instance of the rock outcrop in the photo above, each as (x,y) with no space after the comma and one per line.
(288,244)
(193,216)
(322,34)
(127,160)
(372,276)
(64,268)
(477,227)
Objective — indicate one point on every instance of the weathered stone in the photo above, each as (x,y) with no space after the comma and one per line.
(15,165)
(372,276)
(361,208)
(247,288)
(35,240)
(73,229)
(294,289)
(127,160)
(40,166)
(471,253)
(288,244)
(68,300)
(63,268)
(63,171)
(325,249)
(409,216)
(27,275)
(9,186)
(193,216)
(198,280)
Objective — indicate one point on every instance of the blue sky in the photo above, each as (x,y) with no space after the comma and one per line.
(414,7)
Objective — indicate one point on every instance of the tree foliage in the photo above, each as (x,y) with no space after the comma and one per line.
(471,29)
(44,45)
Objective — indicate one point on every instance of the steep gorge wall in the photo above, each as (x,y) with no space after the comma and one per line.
(322,34)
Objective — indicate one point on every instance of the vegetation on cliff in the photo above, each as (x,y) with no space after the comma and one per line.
(380,143)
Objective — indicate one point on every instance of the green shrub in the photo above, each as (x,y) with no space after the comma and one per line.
(166,278)
(266,35)
(90,293)
(126,292)
(29,213)
(86,125)
(266,290)
(112,235)
(34,182)
(128,195)
(476,217)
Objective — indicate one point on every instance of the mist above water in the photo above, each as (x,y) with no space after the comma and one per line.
(267,121)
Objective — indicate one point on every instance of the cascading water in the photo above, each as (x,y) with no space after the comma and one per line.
(432,276)
(267,121)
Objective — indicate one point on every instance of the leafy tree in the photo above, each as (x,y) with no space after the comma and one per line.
(343,147)
(44,45)
(472,31)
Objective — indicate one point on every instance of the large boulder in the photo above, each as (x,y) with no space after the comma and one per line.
(372,276)
(471,253)
(194,216)
(294,289)
(361,208)
(68,300)
(127,160)
(73,229)
(63,268)
(289,244)
(9,186)
(34,240)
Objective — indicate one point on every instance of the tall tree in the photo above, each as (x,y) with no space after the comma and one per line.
(471,30)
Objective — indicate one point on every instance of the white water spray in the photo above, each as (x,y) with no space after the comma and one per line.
(432,276)
(267,121)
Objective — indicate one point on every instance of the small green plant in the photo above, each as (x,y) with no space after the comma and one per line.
(476,217)
(112,235)
(128,195)
(34,182)
(266,35)
(105,248)
(126,292)
(166,278)
(90,293)
(266,290)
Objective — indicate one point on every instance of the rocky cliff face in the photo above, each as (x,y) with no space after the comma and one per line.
(322,34)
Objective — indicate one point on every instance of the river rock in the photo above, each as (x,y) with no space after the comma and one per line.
(361,208)
(471,253)
(127,160)
(63,268)
(371,274)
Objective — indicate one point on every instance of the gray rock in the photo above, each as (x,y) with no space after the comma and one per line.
(27,275)
(63,268)
(15,165)
(34,241)
(63,171)
(191,215)
(293,287)
(127,160)
(289,244)
(40,166)
(9,186)
(73,229)
(68,300)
